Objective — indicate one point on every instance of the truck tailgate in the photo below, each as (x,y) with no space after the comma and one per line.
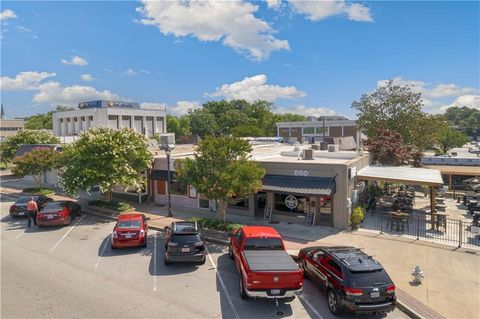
(269,261)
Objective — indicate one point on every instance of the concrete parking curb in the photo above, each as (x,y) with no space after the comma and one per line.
(408,311)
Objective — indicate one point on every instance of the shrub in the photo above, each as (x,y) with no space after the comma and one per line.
(116,206)
(358,214)
(39,191)
(216,224)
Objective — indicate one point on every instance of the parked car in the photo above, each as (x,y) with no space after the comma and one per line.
(184,243)
(19,208)
(60,212)
(266,269)
(131,230)
(354,281)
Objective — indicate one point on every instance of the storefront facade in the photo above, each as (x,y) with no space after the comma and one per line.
(310,192)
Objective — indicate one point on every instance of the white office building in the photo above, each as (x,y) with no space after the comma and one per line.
(112,114)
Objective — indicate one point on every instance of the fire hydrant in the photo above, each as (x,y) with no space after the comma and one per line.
(418,275)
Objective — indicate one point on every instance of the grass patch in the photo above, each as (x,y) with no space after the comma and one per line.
(39,191)
(216,224)
(116,206)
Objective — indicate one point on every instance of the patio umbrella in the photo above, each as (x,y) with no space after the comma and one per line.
(472,180)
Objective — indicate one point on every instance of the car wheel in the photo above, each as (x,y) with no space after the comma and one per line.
(230,251)
(145,244)
(333,302)
(204,260)
(165,261)
(243,294)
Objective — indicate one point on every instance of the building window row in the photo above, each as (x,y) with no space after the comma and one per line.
(10,128)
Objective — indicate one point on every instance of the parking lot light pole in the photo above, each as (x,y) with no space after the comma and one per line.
(168,151)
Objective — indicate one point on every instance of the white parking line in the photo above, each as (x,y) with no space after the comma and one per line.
(155,262)
(105,244)
(310,306)
(71,228)
(224,288)
(19,235)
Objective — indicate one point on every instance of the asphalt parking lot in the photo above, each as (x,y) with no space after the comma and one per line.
(72,272)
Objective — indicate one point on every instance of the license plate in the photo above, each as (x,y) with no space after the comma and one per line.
(375,294)
(50,216)
(21,214)
(128,236)
(274,291)
(185,250)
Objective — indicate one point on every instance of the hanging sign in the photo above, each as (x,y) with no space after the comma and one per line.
(291,202)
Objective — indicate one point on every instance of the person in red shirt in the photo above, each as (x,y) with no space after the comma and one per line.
(32,210)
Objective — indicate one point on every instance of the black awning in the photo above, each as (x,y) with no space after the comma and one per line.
(162,175)
(299,184)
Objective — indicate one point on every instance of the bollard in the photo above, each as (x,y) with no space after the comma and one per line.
(417,274)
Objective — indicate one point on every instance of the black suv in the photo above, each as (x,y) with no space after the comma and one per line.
(354,281)
(184,243)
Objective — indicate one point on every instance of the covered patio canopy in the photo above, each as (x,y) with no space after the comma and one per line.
(405,175)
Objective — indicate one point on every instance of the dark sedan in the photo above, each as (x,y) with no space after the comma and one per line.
(19,208)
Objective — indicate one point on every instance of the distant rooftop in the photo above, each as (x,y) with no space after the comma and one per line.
(105,103)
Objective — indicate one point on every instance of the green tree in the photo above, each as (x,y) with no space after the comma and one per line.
(9,147)
(36,163)
(105,157)
(397,108)
(220,170)
(464,119)
(43,121)
(202,122)
(180,126)
(450,138)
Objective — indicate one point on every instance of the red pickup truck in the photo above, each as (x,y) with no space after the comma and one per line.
(266,269)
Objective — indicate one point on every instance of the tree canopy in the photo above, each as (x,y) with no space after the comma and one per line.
(37,163)
(105,157)
(398,109)
(450,138)
(237,118)
(464,119)
(42,121)
(9,147)
(388,148)
(221,169)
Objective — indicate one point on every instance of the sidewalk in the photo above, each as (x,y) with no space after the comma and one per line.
(451,285)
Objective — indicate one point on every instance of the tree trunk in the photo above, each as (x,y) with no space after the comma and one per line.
(109,196)
(222,209)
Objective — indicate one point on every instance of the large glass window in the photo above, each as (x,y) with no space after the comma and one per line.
(320,130)
(302,204)
(159,124)
(177,188)
(308,130)
(113,121)
(238,202)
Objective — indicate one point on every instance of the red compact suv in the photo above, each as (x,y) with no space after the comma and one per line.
(130,231)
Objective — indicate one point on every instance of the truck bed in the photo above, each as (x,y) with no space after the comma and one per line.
(269,260)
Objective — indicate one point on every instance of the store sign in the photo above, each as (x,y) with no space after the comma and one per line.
(300,172)
(291,202)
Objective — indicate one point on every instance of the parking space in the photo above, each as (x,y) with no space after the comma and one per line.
(66,271)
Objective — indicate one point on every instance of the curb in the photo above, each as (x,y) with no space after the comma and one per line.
(408,311)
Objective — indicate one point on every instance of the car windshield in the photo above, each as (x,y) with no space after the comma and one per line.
(263,244)
(25,199)
(129,224)
(54,205)
(185,239)
(369,278)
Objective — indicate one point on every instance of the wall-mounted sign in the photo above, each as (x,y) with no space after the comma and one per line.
(300,172)
(192,191)
(291,202)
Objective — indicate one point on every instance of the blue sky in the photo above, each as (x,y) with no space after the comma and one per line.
(310,57)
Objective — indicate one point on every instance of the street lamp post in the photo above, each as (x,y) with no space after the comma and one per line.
(168,151)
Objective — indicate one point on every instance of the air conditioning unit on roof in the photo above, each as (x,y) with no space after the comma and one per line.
(333,147)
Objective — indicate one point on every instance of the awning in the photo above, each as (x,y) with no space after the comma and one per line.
(400,174)
(161,175)
(303,185)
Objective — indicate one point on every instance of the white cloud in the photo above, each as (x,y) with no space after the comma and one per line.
(7,14)
(316,10)
(304,110)
(76,60)
(54,93)
(273,4)
(87,77)
(29,80)
(181,108)
(232,22)
(23,29)
(128,72)
(437,98)
(256,88)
